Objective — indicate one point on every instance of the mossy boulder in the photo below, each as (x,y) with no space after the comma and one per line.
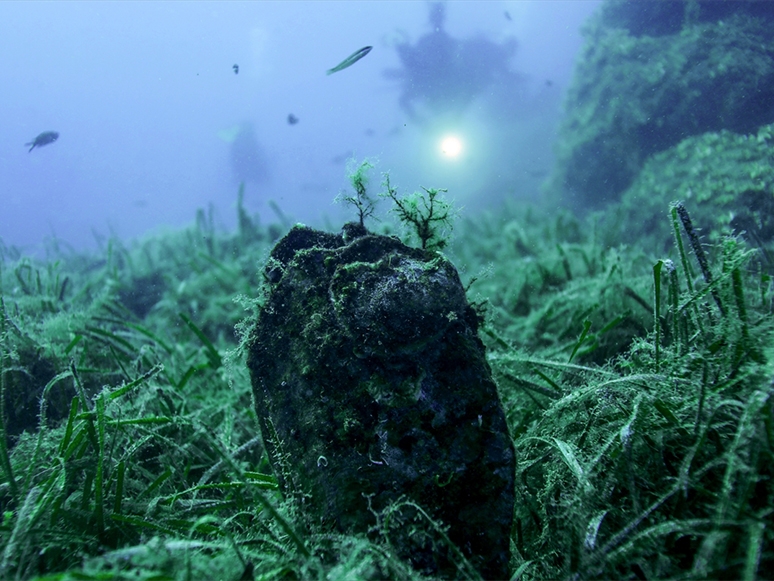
(376,403)
(653,74)
(725,180)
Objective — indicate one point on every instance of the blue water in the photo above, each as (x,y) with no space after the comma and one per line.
(155,121)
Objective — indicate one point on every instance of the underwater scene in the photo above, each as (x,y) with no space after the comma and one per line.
(387,290)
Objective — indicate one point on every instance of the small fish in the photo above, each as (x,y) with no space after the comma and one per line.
(43,139)
(350,60)
(508,15)
(236,69)
(292,119)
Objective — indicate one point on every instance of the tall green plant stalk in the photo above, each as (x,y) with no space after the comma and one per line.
(4,457)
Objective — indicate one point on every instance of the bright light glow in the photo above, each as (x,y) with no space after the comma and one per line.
(451,146)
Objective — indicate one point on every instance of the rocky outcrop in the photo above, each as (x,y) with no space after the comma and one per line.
(376,402)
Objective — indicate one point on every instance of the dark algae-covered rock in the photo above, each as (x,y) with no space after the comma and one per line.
(376,403)
(653,74)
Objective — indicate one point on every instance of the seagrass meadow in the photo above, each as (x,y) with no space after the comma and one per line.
(637,386)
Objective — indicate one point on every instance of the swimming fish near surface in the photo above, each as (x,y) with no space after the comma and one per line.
(350,60)
(236,69)
(43,139)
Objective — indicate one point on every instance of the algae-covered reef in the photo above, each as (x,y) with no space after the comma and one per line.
(653,74)
(726,178)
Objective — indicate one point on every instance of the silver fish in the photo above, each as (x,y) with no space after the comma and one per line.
(43,139)
(350,60)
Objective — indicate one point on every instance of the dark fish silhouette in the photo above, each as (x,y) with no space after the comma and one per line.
(292,119)
(43,139)
(236,69)
(350,60)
